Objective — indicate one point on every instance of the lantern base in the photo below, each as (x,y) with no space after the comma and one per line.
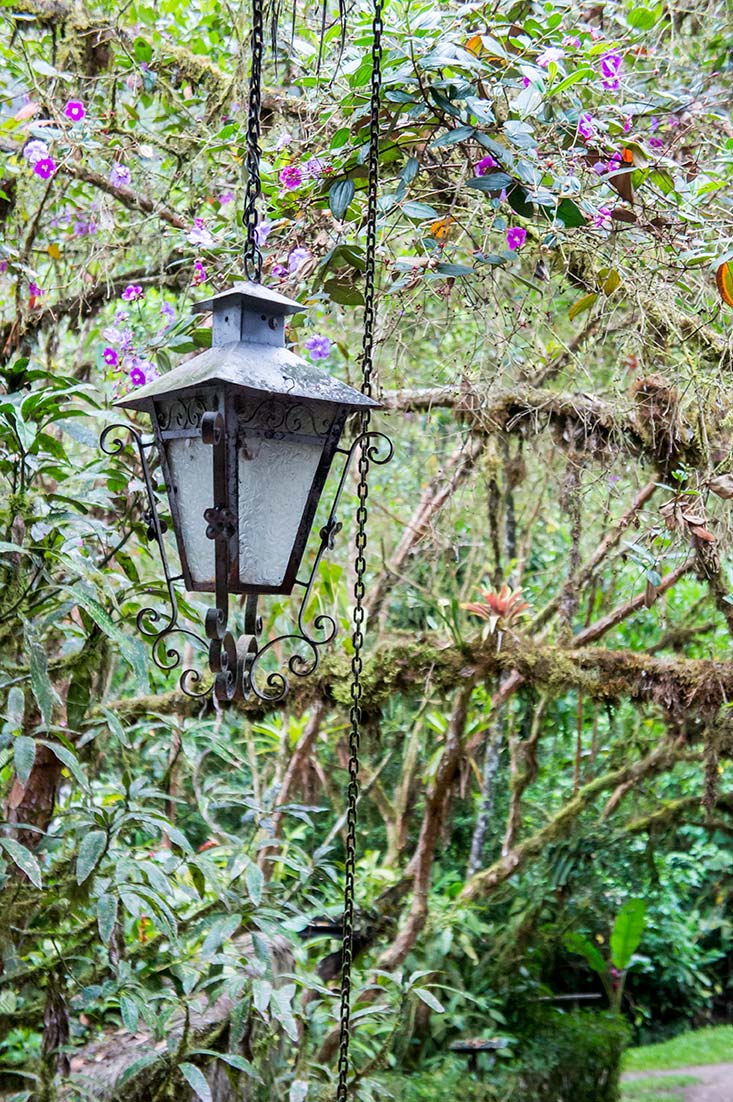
(238,665)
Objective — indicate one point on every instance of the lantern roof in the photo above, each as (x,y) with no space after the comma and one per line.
(253,368)
(254,296)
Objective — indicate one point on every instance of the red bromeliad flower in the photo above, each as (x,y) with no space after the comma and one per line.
(505,606)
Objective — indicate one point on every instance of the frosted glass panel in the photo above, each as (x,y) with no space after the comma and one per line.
(274,479)
(190,464)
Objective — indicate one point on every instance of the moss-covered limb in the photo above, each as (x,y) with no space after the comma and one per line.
(676,813)
(483,883)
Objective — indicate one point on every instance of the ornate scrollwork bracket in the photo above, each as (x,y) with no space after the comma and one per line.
(237,664)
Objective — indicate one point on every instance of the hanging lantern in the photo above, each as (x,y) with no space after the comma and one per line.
(246,433)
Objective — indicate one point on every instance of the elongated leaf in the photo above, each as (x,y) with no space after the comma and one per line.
(492,181)
(340,196)
(429,999)
(24,859)
(724,280)
(90,851)
(255,882)
(458,134)
(627,931)
(24,754)
(14,712)
(419,210)
(195,1079)
(130,648)
(130,1013)
(139,1065)
(106,916)
(44,692)
(69,759)
(582,305)
(576,943)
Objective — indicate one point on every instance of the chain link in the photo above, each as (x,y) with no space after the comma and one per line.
(250,216)
(355,714)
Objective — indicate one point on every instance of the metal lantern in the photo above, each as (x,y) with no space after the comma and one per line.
(246,433)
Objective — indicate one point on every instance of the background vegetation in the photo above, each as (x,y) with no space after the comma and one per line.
(547,739)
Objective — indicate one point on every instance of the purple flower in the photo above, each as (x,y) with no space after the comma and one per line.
(526,82)
(515,237)
(3,267)
(279,271)
(318,347)
(168,312)
(616,162)
(199,273)
(586,126)
(141,371)
(110,357)
(137,376)
(119,175)
(297,257)
(262,231)
(314,168)
(45,167)
(126,340)
(603,216)
(482,167)
(627,124)
(284,140)
(74,110)
(199,235)
(35,151)
(82,227)
(132,292)
(656,143)
(554,53)
(600,168)
(654,124)
(226,197)
(291,177)
(571,40)
(610,66)
(121,315)
(34,290)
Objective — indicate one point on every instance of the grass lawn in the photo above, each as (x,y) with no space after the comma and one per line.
(668,1089)
(702,1046)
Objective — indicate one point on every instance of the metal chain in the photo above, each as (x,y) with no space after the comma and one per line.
(355,714)
(250,215)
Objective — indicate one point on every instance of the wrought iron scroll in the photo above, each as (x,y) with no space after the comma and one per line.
(154,625)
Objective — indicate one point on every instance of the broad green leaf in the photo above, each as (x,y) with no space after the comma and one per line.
(14,711)
(106,916)
(492,181)
(339,197)
(24,754)
(626,933)
(91,849)
(195,1079)
(458,134)
(255,882)
(220,931)
(130,1013)
(44,692)
(570,214)
(583,304)
(421,211)
(576,943)
(69,759)
(429,999)
(130,648)
(724,280)
(24,859)
(139,1065)
(261,994)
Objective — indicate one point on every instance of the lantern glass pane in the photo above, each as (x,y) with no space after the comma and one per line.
(190,462)
(275,478)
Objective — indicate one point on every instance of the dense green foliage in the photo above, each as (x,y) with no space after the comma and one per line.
(554,359)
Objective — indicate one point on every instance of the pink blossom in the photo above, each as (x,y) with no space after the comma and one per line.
(627,124)
(291,177)
(199,273)
(34,290)
(515,237)
(35,151)
(553,53)
(526,82)
(610,67)
(74,110)
(483,166)
(119,175)
(586,126)
(199,235)
(45,168)
(132,292)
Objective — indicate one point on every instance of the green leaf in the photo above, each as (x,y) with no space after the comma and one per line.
(144,1062)
(143,50)
(131,649)
(255,882)
(643,19)
(14,712)
(454,269)
(106,916)
(78,696)
(339,197)
(69,759)
(91,849)
(627,931)
(570,214)
(24,859)
(492,181)
(429,999)
(582,305)
(421,211)
(24,754)
(576,943)
(44,692)
(458,134)
(195,1079)
(130,1013)
(343,292)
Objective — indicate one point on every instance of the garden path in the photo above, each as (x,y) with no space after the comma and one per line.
(715,1081)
